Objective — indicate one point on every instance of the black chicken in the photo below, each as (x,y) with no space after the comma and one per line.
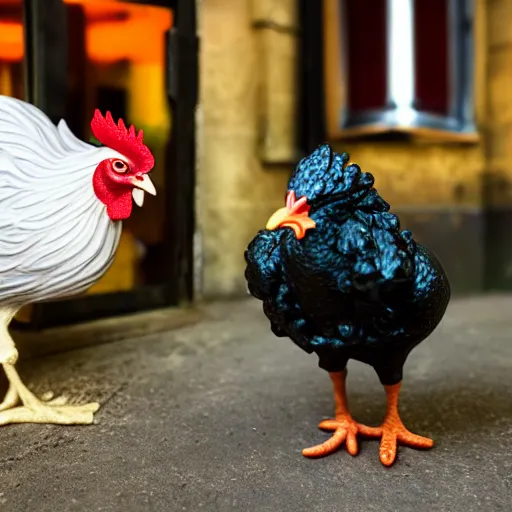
(338,277)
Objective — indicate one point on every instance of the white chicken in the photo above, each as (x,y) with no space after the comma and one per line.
(61,206)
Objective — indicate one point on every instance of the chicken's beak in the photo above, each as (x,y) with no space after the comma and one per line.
(141,185)
(299,222)
(278,218)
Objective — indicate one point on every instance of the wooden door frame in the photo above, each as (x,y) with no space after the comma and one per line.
(312,124)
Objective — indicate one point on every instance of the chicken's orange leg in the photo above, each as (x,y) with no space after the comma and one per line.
(392,431)
(344,426)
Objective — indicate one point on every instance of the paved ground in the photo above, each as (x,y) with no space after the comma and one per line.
(214,416)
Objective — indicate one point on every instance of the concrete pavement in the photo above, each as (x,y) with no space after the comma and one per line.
(214,417)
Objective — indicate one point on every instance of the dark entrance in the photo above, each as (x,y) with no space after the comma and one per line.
(137,59)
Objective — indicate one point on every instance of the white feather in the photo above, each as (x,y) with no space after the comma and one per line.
(56,239)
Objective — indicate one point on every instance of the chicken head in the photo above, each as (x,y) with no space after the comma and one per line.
(117,180)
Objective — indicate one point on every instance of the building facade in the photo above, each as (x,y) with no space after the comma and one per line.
(269,68)
(270,80)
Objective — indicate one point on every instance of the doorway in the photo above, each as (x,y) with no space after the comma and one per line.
(137,59)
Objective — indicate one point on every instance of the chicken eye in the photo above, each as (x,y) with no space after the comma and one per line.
(119,166)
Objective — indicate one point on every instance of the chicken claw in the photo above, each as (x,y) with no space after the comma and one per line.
(392,433)
(35,410)
(44,413)
(12,399)
(345,430)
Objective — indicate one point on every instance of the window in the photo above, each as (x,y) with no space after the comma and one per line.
(367,59)
(398,65)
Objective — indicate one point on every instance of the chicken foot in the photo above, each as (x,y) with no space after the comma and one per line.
(32,410)
(35,410)
(393,432)
(12,399)
(345,428)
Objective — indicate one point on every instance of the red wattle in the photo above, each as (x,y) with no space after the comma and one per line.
(117,199)
(121,207)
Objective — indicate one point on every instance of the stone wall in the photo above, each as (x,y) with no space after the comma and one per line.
(498,129)
(245,119)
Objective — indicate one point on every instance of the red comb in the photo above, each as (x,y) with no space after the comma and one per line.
(297,206)
(122,140)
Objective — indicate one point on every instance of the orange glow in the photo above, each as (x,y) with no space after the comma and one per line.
(11,41)
(137,35)
(11,35)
